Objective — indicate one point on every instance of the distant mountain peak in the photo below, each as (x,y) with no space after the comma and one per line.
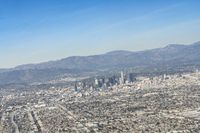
(175,45)
(118,52)
(196,43)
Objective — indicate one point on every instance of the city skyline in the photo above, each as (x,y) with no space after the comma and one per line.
(38,31)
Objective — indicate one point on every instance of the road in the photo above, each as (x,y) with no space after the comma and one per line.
(13,122)
(72,116)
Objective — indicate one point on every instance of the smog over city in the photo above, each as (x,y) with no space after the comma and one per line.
(99,66)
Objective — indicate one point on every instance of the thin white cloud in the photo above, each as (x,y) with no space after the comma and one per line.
(183,32)
(144,17)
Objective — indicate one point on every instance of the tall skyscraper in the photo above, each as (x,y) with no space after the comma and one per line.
(96,82)
(131,77)
(121,80)
(75,87)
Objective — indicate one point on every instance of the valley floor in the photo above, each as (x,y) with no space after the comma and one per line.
(171,105)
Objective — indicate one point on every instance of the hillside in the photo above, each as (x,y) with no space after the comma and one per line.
(172,55)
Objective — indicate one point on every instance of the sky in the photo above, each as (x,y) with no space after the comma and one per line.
(33,31)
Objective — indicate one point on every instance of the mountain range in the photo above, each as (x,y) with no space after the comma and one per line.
(171,56)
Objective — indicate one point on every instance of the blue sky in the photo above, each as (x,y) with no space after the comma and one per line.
(33,31)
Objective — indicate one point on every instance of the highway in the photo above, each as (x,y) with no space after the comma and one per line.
(13,122)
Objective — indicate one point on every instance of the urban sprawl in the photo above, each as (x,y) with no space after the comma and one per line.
(120,103)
